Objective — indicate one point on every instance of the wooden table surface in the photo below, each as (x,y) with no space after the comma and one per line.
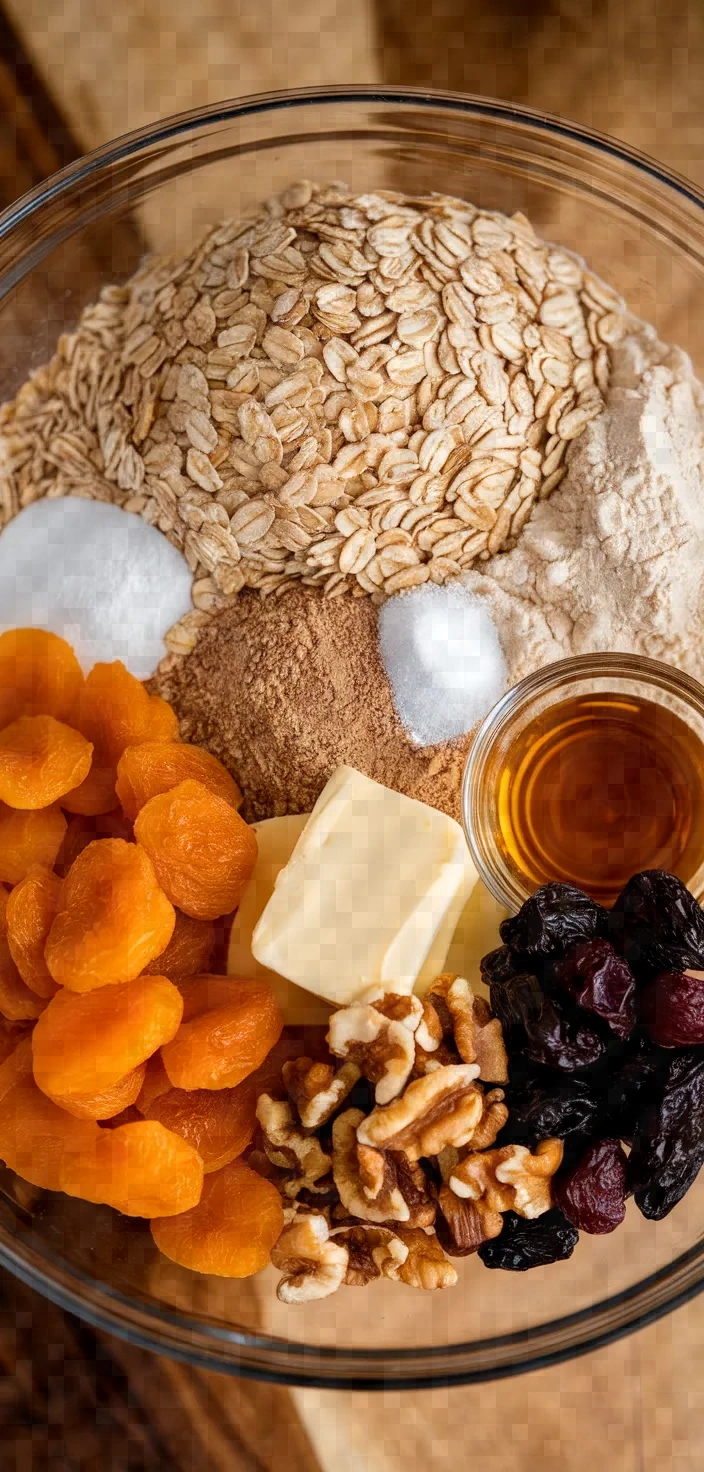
(72,74)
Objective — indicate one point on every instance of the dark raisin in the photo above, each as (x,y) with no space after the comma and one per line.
(530,1244)
(600,981)
(557,1109)
(515,1001)
(668,1145)
(629,1084)
(498,966)
(593,1194)
(672,1009)
(555,918)
(657,925)
(540,1027)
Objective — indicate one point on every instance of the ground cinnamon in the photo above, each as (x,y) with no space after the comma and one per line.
(284,690)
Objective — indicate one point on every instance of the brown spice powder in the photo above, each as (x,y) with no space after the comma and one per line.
(284,690)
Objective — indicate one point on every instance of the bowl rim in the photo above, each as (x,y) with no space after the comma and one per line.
(323,1367)
(261,1356)
(167,129)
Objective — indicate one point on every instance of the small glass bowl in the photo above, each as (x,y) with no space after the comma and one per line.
(588,674)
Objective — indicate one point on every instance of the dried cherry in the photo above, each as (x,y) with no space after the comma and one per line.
(593,1194)
(668,1145)
(527,1244)
(554,919)
(657,925)
(541,1027)
(600,981)
(673,1009)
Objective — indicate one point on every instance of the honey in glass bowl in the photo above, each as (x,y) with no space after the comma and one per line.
(587,772)
(599,787)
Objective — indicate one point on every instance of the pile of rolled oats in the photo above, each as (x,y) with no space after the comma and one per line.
(397,1190)
(361,391)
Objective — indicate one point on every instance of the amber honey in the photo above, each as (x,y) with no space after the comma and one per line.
(598,787)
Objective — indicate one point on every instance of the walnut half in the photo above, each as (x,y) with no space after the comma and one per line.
(511,1178)
(389,1205)
(441,1108)
(313,1264)
(374,1252)
(452,1013)
(465,1224)
(380,1042)
(316,1089)
(288,1147)
(426,1265)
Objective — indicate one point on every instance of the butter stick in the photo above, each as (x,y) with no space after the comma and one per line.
(276,840)
(372,892)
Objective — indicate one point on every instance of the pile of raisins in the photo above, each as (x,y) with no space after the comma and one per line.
(603,1017)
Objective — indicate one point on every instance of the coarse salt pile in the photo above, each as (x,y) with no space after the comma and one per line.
(443,659)
(102,579)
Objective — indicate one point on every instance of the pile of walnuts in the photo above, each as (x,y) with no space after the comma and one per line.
(384,1155)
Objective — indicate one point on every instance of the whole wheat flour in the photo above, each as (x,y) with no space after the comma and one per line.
(284,690)
(615,559)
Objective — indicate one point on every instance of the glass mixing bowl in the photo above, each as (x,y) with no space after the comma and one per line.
(641,228)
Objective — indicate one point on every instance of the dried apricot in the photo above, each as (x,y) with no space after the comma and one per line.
(17,1002)
(39,675)
(11,1035)
(203,993)
(228,1028)
(28,838)
(113,917)
(114,711)
(232,1229)
(218,1124)
(107,1102)
(141,1169)
(156,766)
(40,760)
(88,1042)
(130,1115)
(36,1137)
(156,1082)
(31,909)
(82,830)
(188,951)
(16,1068)
(96,793)
(202,850)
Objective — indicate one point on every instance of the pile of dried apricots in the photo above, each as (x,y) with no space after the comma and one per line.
(124,1064)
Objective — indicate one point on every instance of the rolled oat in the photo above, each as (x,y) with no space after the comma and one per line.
(332,355)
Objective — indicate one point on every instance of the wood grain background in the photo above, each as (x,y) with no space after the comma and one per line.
(74,73)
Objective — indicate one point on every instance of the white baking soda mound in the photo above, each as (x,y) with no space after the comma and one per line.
(101,577)
(443,658)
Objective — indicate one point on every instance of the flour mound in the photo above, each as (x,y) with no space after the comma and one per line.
(614,560)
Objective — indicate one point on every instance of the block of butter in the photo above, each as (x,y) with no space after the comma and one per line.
(367,892)
(276,840)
